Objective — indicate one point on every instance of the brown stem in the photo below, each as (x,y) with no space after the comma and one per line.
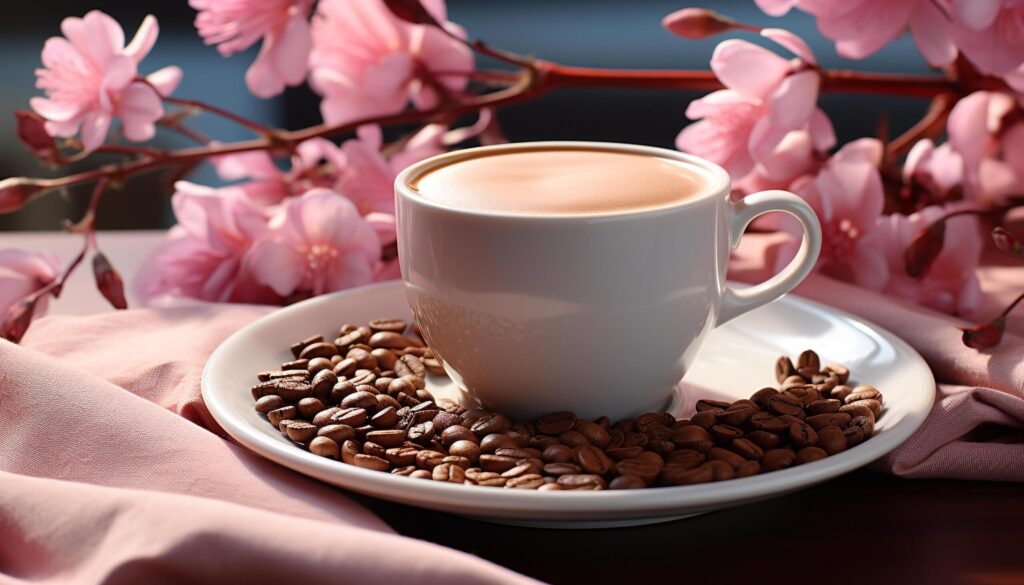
(87,225)
(1012,304)
(203,106)
(930,126)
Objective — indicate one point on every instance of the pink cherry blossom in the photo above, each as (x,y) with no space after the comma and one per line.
(990,33)
(90,77)
(283,26)
(203,255)
(985,130)
(766,98)
(23,273)
(937,169)
(316,163)
(848,198)
(318,244)
(862,27)
(366,61)
(950,284)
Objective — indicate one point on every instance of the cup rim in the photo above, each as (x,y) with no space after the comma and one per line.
(718,180)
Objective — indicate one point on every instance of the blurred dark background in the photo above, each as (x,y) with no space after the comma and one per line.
(608,33)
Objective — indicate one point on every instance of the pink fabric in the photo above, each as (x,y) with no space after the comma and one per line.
(111,470)
(976,428)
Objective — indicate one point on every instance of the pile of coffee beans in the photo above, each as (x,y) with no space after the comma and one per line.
(362,399)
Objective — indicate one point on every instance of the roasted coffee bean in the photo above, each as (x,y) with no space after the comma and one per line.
(760,398)
(563,453)
(497,463)
(375,449)
(269,402)
(407,471)
(388,340)
(463,448)
(450,406)
(557,469)
(353,417)
(359,399)
(857,409)
(749,468)
(794,380)
(626,482)
(592,460)
(491,479)
(410,365)
(854,436)
(384,401)
(434,366)
(521,438)
(835,419)
(301,345)
(518,453)
(283,425)
(300,431)
(863,393)
(322,383)
(703,405)
(643,468)
(370,462)
(279,414)
(783,369)
(324,447)
(840,392)
(401,456)
(337,432)
(321,349)
(293,390)
(802,434)
(342,389)
(361,377)
(309,407)
(823,406)
(494,423)
(807,373)
(625,425)
(387,438)
(692,437)
(363,358)
(865,424)
(542,442)
(297,365)
(648,421)
(660,447)
(832,440)
(720,454)
(349,450)
(448,472)
(809,454)
(764,439)
(317,365)
(530,481)
(706,419)
(442,420)
(491,443)
(428,459)
(385,358)
(264,388)
(775,459)
(874,406)
(720,470)
(524,467)
(396,325)
(701,474)
(747,448)
(456,433)
(805,394)
(725,434)
(784,404)
(421,432)
(347,338)
(808,359)
(631,439)
(369,389)
(737,415)
(574,439)
(841,372)
(686,458)
(593,432)
(582,481)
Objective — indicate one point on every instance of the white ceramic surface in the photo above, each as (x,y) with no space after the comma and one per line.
(541,313)
(737,359)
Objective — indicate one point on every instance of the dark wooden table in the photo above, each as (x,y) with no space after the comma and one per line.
(863,528)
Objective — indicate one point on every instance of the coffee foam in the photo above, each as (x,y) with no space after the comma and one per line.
(560,181)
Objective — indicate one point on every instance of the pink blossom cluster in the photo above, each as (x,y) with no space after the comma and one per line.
(767,131)
(324,224)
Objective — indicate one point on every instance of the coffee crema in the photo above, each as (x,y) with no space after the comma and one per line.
(560,181)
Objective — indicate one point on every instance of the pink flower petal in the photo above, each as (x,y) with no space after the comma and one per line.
(790,108)
(822,133)
(976,14)
(95,126)
(792,42)
(930,29)
(776,7)
(56,111)
(140,109)
(291,50)
(276,264)
(747,68)
(144,39)
(165,80)
(97,35)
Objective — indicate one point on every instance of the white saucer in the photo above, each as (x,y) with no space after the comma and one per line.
(736,360)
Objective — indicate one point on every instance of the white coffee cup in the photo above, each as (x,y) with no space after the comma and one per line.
(597,314)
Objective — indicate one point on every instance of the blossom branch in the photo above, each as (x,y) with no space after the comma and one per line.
(203,106)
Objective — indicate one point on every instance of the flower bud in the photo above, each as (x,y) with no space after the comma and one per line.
(109,281)
(985,335)
(32,133)
(15,192)
(18,318)
(925,248)
(1006,242)
(697,23)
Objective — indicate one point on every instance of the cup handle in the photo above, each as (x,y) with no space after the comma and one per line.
(736,302)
